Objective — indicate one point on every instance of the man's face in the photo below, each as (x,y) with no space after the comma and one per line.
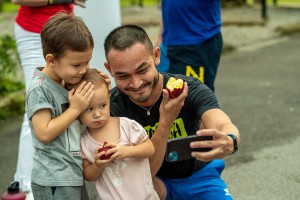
(134,71)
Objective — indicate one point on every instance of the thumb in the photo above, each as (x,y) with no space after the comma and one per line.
(165,96)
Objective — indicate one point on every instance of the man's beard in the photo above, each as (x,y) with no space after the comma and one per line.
(144,98)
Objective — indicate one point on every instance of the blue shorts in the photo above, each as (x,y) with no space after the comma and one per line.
(205,184)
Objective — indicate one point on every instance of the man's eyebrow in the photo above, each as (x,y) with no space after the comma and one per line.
(120,73)
(143,64)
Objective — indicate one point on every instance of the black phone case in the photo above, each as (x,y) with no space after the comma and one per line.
(178,149)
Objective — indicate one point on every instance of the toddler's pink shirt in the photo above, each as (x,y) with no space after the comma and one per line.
(129,178)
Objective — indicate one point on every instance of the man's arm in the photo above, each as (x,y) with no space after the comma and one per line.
(216,123)
(169,110)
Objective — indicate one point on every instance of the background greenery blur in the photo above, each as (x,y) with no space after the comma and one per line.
(10,63)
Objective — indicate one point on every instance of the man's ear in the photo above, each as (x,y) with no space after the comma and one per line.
(107,67)
(156,55)
(50,60)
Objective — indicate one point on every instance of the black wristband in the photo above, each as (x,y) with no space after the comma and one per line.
(235,144)
(56,2)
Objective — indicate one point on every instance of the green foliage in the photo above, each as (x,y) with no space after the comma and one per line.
(9,7)
(7,86)
(125,3)
(14,108)
(7,55)
(9,60)
(234,3)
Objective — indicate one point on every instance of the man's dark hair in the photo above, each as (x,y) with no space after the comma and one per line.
(126,36)
(63,32)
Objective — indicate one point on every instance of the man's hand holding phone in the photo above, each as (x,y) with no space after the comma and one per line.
(221,145)
(179,149)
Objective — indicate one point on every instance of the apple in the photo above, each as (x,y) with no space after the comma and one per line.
(174,87)
(104,157)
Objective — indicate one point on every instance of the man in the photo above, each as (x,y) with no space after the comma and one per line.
(140,95)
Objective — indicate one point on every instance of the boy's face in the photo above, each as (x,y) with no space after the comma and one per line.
(71,66)
(98,112)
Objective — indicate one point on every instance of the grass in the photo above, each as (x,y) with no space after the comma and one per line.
(125,3)
(279,2)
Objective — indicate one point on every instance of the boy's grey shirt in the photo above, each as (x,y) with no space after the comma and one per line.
(57,163)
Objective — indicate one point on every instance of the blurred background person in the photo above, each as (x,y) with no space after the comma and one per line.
(100,16)
(190,39)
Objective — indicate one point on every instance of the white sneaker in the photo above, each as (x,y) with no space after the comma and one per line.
(29,196)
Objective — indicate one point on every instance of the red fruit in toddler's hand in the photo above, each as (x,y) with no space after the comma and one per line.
(105,157)
(174,87)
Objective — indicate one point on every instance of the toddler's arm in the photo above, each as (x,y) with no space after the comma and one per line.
(141,150)
(91,171)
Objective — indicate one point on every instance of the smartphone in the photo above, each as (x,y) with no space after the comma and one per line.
(179,148)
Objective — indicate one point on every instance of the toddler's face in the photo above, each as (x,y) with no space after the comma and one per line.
(98,111)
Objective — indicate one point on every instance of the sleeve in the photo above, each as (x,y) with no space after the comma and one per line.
(201,98)
(137,133)
(38,99)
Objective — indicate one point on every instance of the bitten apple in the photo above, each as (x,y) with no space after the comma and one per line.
(105,157)
(174,87)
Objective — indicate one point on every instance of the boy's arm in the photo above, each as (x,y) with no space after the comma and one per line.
(46,128)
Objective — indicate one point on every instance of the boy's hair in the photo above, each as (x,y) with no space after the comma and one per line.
(92,75)
(63,32)
(126,36)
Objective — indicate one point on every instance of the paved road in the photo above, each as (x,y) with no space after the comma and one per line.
(259,88)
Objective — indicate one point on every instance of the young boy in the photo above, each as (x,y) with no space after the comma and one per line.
(53,111)
(126,174)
